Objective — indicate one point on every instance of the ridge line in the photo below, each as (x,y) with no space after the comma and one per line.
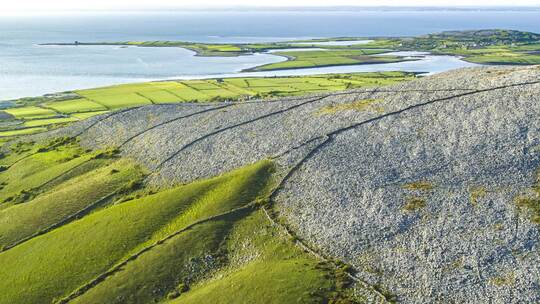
(331,135)
(172,120)
(161,164)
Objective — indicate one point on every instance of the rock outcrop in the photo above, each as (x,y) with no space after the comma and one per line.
(415,184)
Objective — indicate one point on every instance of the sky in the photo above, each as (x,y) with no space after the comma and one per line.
(56,5)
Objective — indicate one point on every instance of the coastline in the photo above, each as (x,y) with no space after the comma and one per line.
(255,69)
(285,45)
(445,50)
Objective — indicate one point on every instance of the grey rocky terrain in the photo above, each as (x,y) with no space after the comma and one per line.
(414,184)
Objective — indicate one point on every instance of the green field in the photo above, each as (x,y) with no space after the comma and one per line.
(89,231)
(50,121)
(39,117)
(313,59)
(24,220)
(31,112)
(75,106)
(34,171)
(19,132)
(521,55)
(86,115)
(505,58)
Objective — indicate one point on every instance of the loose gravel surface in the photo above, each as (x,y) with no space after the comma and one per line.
(416,188)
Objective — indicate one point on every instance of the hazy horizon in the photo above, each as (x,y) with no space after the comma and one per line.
(53,6)
(240,8)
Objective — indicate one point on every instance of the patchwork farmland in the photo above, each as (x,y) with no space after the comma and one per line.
(38,116)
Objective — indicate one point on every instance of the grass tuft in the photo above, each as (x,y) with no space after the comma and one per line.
(359,106)
(508,279)
(531,203)
(476,194)
(414,204)
(419,186)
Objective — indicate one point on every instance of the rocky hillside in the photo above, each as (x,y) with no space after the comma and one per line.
(427,188)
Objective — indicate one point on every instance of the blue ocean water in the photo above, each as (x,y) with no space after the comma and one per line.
(27,69)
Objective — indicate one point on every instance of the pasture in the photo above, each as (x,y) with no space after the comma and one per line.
(312,59)
(40,116)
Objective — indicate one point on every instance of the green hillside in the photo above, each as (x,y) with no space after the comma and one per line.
(82,228)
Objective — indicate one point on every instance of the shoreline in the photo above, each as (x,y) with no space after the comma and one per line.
(10,102)
(252,70)
(309,71)
(199,53)
(515,47)
(461,47)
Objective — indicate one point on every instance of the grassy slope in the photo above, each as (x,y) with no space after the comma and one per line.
(34,170)
(235,256)
(68,198)
(18,152)
(158,272)
(264,267)
(238,258)
(54,264)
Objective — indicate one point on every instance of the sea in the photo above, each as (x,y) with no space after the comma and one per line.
(30,69)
